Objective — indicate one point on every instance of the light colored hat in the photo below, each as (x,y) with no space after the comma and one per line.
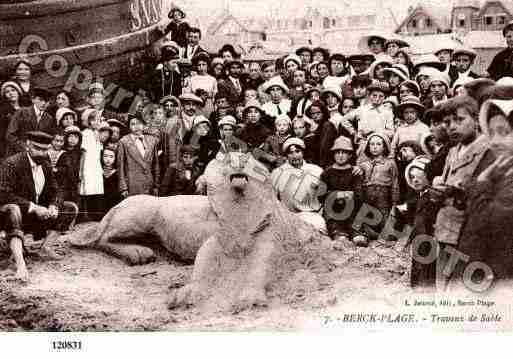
(342,143)
(283,117)
(381,59)
(191,97)
(426,71)
(96,87)
(411,101)
(335,90)
(413,84)
(394,39)
(12,84)
(199,120)
(383,136)
(506,106)
(462,81)
(252,104)
(227,120)
(59,114)
(419,162)
(293,141)
(378,86)
(363,43)
(400,70)
(292,57)
(104,126)
(429,60)
(440,77)
(167,98)
(275,81)
(464,51)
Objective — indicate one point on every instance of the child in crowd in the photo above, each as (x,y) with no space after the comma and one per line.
(56,150)
(341,186)
(65,118)
(406,153)
(68,165)
(221,108)
(180,177)
(117,132)
(250,94)
(91,172)
(381,179)
(413,129)
(274,143)
(348,105)
(110,180)
(229,142)
(138,164)
(332,97)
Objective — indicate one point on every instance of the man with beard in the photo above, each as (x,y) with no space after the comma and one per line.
(166,79)
(172,132)
(31,200)
(502,63)
(233,85)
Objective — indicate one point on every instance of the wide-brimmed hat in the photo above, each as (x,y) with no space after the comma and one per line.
(192,98)
(115,123)
(59,114)
(325,52)
(334,90)
(411,84)
(292,57)
(506,106)
(411,101)
(252,104)
(361,58)
(173,10)
(464,51)
(509,26)
(275,81)
(429,60)
(293,141)
(363,43)
(169,50)
(104,126)
(426,137)
(419,162)
(199,120)
(400,70)
(383,136)
(426,71)
(342,143)
(382,59)
(12,84)
(227,120)
(396,40)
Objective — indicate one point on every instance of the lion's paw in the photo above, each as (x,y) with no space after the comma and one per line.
(250,298)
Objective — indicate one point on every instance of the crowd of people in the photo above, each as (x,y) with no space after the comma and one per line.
(424,141)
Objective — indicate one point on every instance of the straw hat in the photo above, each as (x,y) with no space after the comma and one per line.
(293,141)
(342,143)
(275,81)
(411,101)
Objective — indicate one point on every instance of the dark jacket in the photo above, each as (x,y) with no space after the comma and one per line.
(17,184)
(6,114)
(24,120)
(178,32)
(502,65)
(68,174)
(176,183)
(227,87)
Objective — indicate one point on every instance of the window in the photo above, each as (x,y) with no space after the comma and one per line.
(488,20)
(501,20)
(428,22)
(461,23)
(326,23)
(414,23)
(310,23)
(333,22)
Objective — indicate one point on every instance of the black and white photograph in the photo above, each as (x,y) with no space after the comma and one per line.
(238,166)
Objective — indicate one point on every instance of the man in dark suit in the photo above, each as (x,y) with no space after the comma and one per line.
(463,59)
(193,47)
(30,199)
(234,85)
(502,63)
(32,118)
(166,79)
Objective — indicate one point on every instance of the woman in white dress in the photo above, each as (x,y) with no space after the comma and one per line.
(202,80)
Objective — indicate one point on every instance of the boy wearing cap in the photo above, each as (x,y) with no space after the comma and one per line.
(30,199)
(27,119)
(138,164)
(463,59)
(180,177)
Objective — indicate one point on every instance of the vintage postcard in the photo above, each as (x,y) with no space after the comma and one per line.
(251,165)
